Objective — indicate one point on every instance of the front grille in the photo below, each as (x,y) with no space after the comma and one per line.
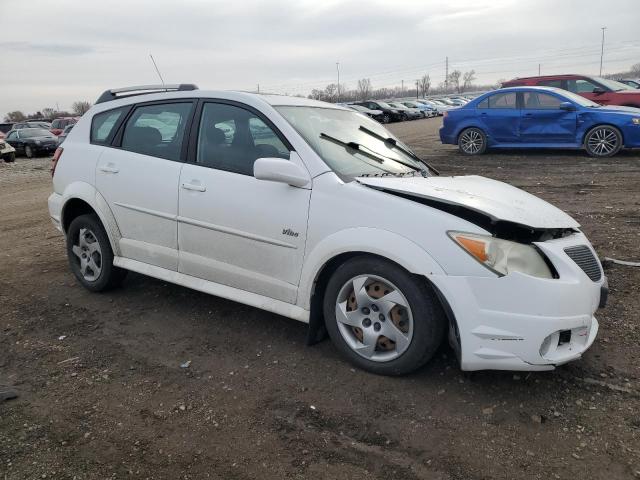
(584,258)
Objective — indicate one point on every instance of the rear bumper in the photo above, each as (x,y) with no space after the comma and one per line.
(520,322)
(55,210)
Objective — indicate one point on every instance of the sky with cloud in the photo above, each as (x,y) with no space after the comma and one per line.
(56,52)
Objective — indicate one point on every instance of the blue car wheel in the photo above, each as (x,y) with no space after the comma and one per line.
(472,141)
(603,141)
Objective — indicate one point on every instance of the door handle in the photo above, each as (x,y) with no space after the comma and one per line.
(109,168)
(196,188)
(528,114)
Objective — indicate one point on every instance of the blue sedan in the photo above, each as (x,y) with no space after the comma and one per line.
(540,117)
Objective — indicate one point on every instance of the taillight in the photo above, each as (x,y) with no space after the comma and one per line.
(54,160)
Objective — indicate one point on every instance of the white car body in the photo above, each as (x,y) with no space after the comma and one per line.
(272,239)
(6,150)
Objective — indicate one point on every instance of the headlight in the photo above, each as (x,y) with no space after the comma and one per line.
(502,256)
(635,121)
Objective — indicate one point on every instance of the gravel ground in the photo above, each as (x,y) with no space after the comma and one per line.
(102,394)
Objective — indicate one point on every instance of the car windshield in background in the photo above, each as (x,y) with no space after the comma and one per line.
(341,139)
(385,105)
(613,85)
(33,132)
(579,99)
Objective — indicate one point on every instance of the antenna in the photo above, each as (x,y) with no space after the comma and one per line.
(157,70)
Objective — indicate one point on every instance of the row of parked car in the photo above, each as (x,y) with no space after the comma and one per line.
(33,137)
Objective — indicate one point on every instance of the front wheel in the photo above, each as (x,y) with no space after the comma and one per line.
(382,318)
(603,141)
(90,255)
(472,141)
(11,157)
(386,118)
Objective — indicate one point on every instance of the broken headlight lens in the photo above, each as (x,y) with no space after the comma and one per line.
(503,256)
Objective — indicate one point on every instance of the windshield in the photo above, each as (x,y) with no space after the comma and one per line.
(33,132)
(384,105)
(579,99)
(328,130)
(612,84)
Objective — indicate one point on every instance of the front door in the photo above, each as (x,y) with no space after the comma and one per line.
(501,117)
(585,88)
(542,120)
(139,180)
(232,228)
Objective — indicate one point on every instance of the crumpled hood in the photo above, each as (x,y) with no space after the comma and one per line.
(498,200)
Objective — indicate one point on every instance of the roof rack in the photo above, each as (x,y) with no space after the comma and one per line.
(116,93)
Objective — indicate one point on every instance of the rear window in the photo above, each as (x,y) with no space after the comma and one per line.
(103,123)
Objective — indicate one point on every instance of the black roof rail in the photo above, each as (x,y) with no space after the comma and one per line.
(116,93)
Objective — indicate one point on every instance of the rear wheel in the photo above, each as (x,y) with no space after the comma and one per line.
(381,317)
(472,141)
(386,118)
(90,255)
(603,141)
(10,157)
(28,151)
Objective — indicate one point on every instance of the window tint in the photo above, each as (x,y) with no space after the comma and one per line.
(483,104)
(502,100)
(157,130)
(550,83)
(581,86)
(103,124)
(541,101)
(231,138)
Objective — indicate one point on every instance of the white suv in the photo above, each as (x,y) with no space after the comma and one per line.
(316,212)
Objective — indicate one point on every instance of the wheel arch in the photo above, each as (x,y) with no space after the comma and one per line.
(468,126)
(602,124)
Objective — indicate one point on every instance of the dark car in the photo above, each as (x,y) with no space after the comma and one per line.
(59,124)
(596,89)
(375,114)
(540,117)
(4,129)
(389,114)
(64,133)
(32,141)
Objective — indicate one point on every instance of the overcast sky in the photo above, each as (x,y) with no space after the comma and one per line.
(58,51)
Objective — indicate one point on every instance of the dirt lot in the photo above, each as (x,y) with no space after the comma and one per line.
(102,394)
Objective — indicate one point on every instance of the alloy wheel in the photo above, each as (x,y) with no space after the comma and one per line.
(471,142)
(89,255)
(603,141)
(374,318)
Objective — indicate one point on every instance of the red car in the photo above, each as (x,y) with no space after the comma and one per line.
(58,125)
(596,89)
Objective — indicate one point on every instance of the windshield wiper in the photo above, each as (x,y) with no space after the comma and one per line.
(393,143)
(374,156)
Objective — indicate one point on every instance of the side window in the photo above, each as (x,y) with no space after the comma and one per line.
(550,83)
(541,101)
(103,123)
(157,130)
(13,135)
(483,104)
(231,138)
(581,86)
(502,100)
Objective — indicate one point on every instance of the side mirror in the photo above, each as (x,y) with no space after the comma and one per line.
(568,106)
(280,170)
(599,90)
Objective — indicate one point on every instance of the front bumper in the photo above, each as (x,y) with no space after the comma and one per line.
(55,210)
(520,322)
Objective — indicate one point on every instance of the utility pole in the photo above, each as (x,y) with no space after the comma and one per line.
(338,92)
(417,94)
(446,76)
(602,50)
(258,88)
(538,69)
(402,88)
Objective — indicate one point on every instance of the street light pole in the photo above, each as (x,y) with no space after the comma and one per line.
(602,50)
(338,69)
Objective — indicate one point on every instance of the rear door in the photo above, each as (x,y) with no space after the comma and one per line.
(542,120)
(500,116)
(138,176)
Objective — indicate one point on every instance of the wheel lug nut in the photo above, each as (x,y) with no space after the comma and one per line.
(374,308)
(376,327)
(381,317)
(365,310)
(366,322)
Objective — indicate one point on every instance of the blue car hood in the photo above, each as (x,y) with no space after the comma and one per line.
(632,111)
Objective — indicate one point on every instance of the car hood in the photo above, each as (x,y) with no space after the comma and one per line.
(633,111)
(497,200)
(42,137)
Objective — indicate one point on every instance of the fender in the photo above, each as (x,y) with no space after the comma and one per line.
(404,252)
(87,193)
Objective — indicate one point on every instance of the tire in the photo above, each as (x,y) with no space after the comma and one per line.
(412,315)
(386,118)
(28,151)
(603,141)
(96,272)
(405,117)
(10,158)
(472,141)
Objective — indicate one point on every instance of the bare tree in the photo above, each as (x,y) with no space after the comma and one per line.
(331,92)
(467,80)
(424,85)
(48,113)
(635,69)
(364,89)
(80,107)
(454,80)
(15,116)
